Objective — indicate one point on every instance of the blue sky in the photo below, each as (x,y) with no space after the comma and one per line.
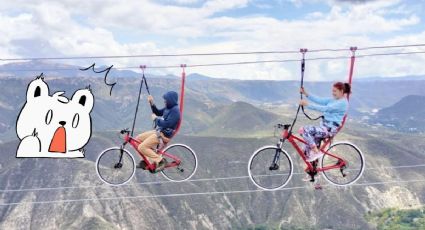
(107,27)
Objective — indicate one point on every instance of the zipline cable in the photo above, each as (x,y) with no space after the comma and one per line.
(191,180)
(197,193)
(229,63)
(204,54)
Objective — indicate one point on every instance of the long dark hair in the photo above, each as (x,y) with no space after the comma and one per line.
(344,87)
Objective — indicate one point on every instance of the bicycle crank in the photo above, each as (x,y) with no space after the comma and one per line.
(342,171)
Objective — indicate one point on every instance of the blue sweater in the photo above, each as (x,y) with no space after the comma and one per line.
(333,110)
(170,114)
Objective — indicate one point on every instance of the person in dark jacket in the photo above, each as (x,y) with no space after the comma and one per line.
(166,121)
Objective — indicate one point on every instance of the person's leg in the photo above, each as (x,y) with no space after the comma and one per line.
(321,134)
(141,137)
(313,134)
(309,133)
(147,146)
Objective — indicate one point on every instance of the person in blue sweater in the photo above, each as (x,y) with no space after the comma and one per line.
(166,121)
(333,110)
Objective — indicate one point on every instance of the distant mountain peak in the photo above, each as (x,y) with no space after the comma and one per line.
(406,114)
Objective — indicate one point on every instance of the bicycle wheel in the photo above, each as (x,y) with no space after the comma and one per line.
(261,172)
(353,169)
(112,170)
(187,167)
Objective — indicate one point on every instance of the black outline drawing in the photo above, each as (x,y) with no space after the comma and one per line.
(35,133)
(107,70)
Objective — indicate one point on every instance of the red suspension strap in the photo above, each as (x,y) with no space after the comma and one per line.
(352,60)
(183,81)
(350,78)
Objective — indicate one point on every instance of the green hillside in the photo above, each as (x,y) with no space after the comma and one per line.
(241,119)
(394,219)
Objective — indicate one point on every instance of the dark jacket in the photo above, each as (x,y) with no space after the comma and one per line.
(170,114)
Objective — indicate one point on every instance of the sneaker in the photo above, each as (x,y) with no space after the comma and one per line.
(314,156)
(142,165)
(161,165)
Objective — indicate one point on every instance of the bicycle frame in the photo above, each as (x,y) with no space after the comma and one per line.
(150,166)
(287,135)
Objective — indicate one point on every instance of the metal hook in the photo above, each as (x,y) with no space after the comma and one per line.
(143,67)
(353,50)
(303,51)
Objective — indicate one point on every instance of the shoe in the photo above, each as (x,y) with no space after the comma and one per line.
(307,178)
(161,165)
(142,165)
(314,156)
(318,186)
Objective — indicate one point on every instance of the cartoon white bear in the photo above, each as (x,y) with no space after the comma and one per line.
(54,126)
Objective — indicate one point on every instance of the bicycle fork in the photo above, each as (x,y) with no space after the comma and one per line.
(274,165)
(119,164)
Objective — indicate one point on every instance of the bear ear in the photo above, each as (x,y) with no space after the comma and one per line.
(37,89)
(85,98)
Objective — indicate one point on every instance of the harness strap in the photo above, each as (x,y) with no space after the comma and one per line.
(138,97)
(353,50)
(303,52)
(183,81)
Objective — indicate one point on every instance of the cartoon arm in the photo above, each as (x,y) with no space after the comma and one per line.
(30,146)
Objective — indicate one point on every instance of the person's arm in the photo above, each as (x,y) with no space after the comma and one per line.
(171,121)
(339,106)
(331,107)
(319,100)
(156,111)
(320,108)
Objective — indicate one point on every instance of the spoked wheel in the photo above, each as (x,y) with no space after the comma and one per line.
(351,171)
(115,166)
(266,175)
(188,163)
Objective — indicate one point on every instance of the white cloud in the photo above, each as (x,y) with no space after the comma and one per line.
(80,27)
(182,2)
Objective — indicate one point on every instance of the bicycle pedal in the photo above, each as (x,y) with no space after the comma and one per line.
(318,187)
(142,165)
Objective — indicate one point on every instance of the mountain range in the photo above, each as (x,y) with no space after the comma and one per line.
(405,115)
(224,122)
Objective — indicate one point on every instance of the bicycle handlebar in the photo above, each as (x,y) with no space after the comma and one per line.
(282,126)
(124,131)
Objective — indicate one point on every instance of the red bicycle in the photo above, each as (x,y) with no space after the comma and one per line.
(271,167)
(342,164)
(116,165)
